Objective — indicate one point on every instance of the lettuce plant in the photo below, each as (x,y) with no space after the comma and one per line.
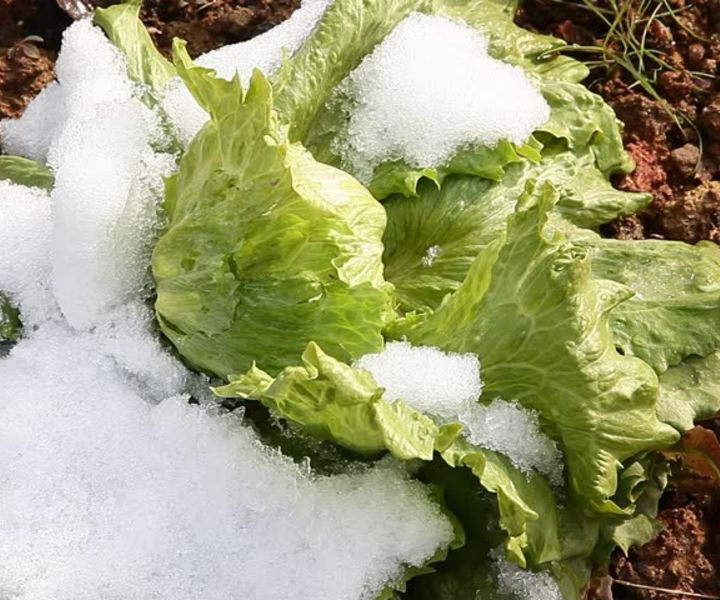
(277,269)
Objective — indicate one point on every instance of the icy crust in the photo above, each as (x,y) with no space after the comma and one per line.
(264,52)
(111,484)
(107,496)
(523,584)
(427,90)
(448,386)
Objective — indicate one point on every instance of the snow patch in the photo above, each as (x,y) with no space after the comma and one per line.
(447,385)
(264,52)
(426,91)
(523,584)
(106,495)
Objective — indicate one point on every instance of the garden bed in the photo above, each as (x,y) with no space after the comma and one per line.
(672,131)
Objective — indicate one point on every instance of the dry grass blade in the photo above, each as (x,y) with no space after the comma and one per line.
(79,8)
(652,588)
(624,43)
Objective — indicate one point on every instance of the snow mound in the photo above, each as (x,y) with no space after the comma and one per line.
(264,52)
(447,385)
(106,495)
(429,89)
(441,383)
(90,72)
(98,137)
(25,229)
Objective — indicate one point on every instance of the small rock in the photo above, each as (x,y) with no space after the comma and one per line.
(676,84)
(684,160)
(710,118)
(695,55)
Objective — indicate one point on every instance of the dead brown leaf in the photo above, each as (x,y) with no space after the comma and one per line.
(698,459)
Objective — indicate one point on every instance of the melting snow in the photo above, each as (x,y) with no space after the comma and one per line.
(447,385)
(264,52)
(427,90)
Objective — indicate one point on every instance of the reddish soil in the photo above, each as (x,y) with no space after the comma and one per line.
(675,141)
(685,555)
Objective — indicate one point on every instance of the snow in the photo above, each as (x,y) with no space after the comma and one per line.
(25,229)
(108,186)
(447,385)
(426,91)
(514,431)
(90,73)
(31,134)
(431,255)
(112,485)
(264,52)
(440,383)
(106,495)
(97,137)
(523,584)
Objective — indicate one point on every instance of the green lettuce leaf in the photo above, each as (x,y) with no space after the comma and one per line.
(266,249)
(531,310)
(10,324)
(334,401)
(123,26)
(24,171)
(641,485)
(463,216)
(431,241)
(675,312)
(690,391)
(584,121)
(586,196)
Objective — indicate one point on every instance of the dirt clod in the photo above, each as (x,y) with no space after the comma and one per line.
(24,71)
(684,160)
(679,558)
(710,118)
(695,215)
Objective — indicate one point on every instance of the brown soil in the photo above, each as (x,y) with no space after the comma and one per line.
(208,25)
(685,555)
(26,65)
(678,164)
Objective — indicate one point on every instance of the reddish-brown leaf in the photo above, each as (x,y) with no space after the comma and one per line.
(698,457)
